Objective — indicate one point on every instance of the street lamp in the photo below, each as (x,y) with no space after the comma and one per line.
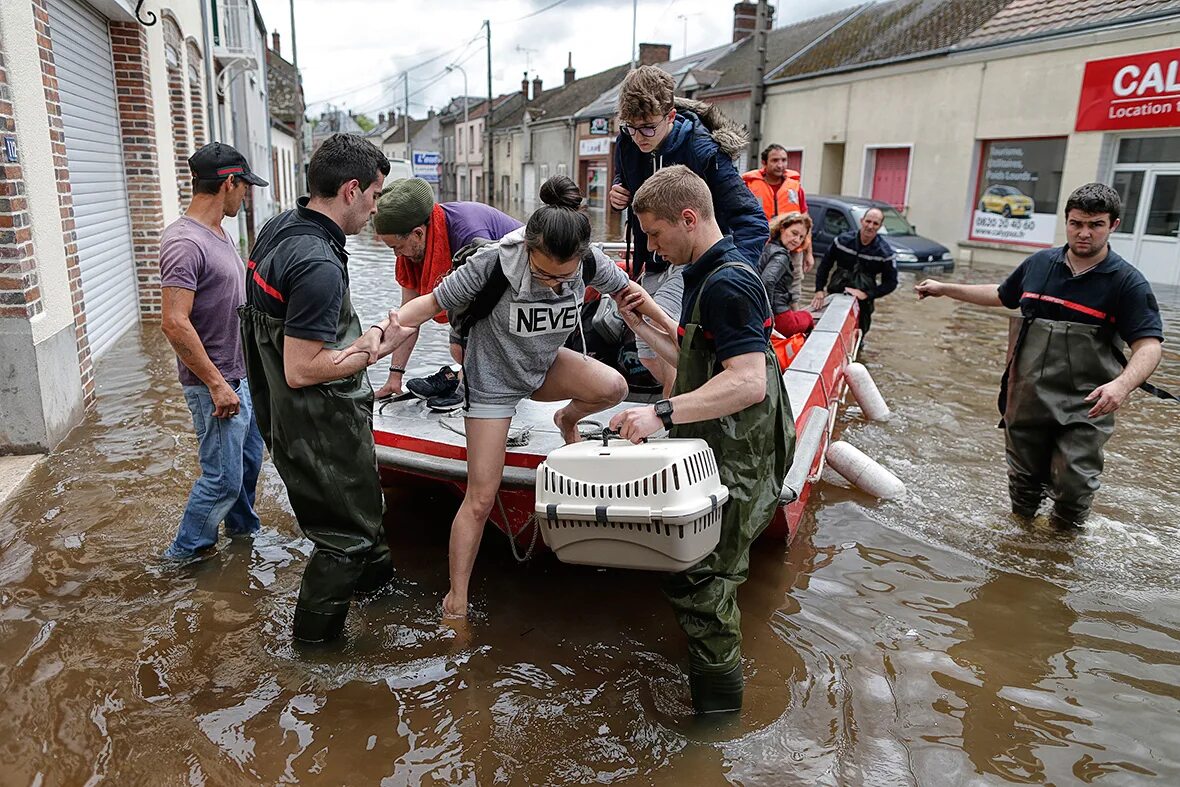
(467,155)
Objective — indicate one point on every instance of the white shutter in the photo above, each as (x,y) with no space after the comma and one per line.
(86,83)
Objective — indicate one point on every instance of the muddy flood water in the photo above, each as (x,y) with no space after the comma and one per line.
(932,641)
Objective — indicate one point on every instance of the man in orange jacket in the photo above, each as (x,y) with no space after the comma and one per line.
(779,190)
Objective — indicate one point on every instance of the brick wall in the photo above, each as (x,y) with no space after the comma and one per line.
(65,198)
(20,295)
(177,105)
(196,96)
(136,120)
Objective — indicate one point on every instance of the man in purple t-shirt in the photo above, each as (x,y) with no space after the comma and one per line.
(204,282)
(426,236)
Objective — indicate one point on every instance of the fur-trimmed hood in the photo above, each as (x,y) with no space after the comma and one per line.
(731,137)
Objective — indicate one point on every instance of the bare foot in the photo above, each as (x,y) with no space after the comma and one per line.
(453,609)
(567,425)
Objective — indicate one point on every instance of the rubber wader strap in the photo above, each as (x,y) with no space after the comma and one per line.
(1002,401)
(1159,393)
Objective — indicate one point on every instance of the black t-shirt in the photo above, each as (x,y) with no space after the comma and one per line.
(735,315)
(1111,293)
(306,277)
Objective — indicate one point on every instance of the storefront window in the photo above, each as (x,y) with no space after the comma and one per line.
(1129,185)
(1016,191)
(1149,150)
(596,186)
(1163,217)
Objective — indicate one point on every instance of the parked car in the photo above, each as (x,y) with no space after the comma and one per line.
(1007,201)
(832,215)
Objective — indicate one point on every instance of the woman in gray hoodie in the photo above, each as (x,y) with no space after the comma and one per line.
(517,352)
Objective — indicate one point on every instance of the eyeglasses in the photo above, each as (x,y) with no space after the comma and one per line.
(648,130)
(550,278)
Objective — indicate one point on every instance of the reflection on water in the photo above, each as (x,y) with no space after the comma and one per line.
(930,641)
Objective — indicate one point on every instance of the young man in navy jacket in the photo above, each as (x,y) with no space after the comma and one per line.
(659,131)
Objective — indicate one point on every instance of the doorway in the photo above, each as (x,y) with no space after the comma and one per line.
(831,171)
(1147,178)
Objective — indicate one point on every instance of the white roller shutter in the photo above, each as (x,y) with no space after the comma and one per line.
(86,83)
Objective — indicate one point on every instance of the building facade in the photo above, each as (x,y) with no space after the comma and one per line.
(99,112)
(1028,109)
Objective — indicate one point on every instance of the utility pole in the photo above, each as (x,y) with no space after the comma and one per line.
(406,118)
(758,87)
(490,169)
(300,178)
(634,23)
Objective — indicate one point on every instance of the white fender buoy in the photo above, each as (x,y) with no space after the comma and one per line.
(860,382)
(852,463)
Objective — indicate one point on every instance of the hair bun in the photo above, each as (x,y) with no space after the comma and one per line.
(561,192)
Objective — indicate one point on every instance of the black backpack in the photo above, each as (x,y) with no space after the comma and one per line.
(464,318)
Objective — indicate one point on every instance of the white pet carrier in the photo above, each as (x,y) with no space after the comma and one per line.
(655,505)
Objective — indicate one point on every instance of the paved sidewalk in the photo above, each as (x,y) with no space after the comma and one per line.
(13,471)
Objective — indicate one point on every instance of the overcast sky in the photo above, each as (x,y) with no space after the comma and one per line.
(353,53)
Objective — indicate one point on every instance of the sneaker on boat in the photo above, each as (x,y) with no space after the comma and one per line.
(444,382)
(446,403)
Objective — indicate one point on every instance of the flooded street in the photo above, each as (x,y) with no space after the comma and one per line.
(930,641)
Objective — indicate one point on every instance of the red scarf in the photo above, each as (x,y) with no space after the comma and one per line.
(436,262)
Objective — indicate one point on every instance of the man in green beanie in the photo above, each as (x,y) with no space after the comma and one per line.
(426,235)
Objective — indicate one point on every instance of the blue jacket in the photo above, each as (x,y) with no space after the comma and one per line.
(690,143)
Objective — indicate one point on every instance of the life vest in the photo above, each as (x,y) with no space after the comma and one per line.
(785,200)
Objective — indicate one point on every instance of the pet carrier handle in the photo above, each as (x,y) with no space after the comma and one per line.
(608,433)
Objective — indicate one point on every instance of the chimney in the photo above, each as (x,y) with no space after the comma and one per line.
(430,114)
(536,87)
(524,86)
(274,39)
(569,70)
(745,19)
(654,54)
(381,119)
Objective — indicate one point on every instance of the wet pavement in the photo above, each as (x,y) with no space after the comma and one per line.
(930,641)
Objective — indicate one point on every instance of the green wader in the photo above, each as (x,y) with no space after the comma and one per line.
(321,440)
(859,279)
(753,448)
(1051,443)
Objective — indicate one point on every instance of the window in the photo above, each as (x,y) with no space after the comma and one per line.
(1017,188)
(1129,185)
(561,169)
(460,136)
(836,222)
(544,172)
(1149,150)
(1163,217)
(510,147)
(471,138)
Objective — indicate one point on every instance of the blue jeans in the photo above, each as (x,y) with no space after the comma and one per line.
(231,454)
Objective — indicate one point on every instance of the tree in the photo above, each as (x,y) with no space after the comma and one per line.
(364,122)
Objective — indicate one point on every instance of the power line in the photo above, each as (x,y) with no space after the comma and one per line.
(388,78)
(530,15)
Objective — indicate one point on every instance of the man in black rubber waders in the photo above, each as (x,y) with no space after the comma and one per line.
(315,416)
(1066,375)
(729,392)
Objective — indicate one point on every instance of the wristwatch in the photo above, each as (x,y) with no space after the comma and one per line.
(664,411)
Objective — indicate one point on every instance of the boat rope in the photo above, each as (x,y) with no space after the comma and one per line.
(532,520)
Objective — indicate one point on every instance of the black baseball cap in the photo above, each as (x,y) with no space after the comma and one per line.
(216,161)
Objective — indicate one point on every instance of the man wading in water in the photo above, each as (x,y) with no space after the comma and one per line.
(729,392)
(316,416)
(1065,377)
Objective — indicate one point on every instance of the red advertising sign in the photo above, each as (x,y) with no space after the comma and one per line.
(1133,91)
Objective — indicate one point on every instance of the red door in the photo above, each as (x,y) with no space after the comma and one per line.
(890,170)
(795,160)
